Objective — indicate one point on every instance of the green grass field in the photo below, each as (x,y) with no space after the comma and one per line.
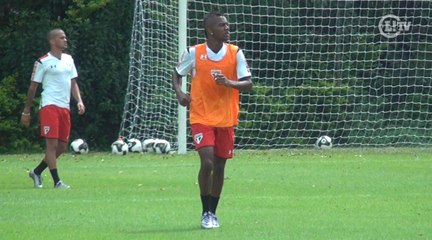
(299,194)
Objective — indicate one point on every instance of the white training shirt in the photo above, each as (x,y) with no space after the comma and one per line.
(187,63)
(55,75)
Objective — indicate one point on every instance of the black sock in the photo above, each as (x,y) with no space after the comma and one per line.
(55,176)
(214,203)
(40,168)
(205,201)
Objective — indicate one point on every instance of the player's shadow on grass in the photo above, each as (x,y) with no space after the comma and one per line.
(164,230)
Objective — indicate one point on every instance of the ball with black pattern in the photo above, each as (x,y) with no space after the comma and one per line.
(79,146)
(324,142)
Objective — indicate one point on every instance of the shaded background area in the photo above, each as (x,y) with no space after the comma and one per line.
(323,68)
(99,37)
(319,67)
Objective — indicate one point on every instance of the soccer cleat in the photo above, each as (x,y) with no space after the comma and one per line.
(61,185)
(37,179)
(206,220)
(214,220)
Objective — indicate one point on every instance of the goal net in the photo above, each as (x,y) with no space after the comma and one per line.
(357,71)
(150,109)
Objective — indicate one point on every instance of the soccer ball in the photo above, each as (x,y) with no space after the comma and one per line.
(134,145)
(147,145)
(161,146)
(79,146)
(119,147)
(324,142)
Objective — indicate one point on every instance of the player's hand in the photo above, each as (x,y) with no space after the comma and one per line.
(25,119)
(81,108)
(221,79)
(183,98)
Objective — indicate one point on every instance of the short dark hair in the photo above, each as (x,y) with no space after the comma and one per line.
(51,34)
(208,17)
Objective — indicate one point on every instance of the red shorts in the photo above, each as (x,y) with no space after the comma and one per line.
(55,122)
(221,138)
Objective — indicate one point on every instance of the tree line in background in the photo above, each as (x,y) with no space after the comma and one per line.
(322,67)
(356,82)
(98,33)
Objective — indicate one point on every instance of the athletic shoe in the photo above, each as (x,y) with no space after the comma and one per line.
(206,220)
(61,185)
(214,220)
(37,179)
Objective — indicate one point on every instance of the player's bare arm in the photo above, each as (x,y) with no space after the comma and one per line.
(25,116)
(183,98)
(77,96)
(243,84)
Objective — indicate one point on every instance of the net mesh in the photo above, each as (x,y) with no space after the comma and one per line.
(150,109)
(357,71)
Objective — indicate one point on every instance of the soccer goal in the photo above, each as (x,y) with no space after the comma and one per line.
(357,71)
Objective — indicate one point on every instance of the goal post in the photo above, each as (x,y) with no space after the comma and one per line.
(150,108)
(182,113)
(357,71)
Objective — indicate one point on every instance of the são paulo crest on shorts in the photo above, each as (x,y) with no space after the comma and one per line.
(198,137)
(46,129)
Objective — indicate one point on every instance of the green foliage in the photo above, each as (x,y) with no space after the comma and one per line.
(102,55)
(312,105)
(98,33)
(13,136)
(321,67)
(317,74)
(82,10)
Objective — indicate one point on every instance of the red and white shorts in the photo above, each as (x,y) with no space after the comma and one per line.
(55,122)
(221,138)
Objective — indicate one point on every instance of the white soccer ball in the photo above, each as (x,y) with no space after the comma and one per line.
(79,146)
(324,142)
(134,145)
(119,147)
(147,145)
(161,146)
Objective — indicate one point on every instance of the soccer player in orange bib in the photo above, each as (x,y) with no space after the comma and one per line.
(57,74)
(219,71)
